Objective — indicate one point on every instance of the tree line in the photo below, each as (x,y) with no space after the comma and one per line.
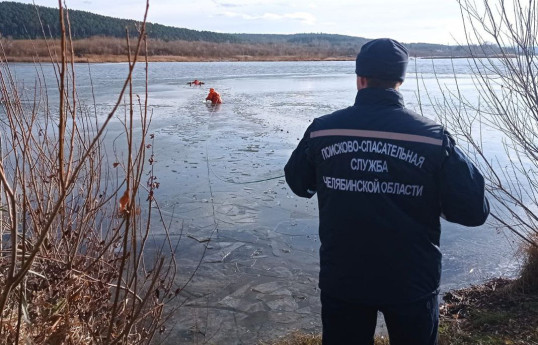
(96,49)
(94,34)
(26,21)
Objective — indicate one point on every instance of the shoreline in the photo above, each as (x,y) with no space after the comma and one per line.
(108,58)
(176,58)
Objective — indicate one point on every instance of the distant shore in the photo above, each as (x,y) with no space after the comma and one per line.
(109,49)
(107,58)
(95,58)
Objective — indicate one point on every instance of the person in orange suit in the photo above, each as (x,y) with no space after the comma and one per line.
(213,96)
(196,82)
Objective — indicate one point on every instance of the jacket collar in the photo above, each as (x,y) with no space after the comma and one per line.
(376,96)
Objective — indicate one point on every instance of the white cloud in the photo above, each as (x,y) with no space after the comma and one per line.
(302,17)
(249,3)
(433,21)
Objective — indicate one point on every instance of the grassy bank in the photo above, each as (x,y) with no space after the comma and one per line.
(497,312)
(494,313)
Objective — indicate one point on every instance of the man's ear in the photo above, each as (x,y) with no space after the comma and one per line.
(362,82)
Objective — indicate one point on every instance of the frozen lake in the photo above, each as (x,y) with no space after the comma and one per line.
(221,168)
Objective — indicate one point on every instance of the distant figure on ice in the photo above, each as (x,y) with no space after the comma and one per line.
(195,82)
(213,96)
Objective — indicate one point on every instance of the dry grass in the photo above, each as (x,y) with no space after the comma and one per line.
(108,49)
(298,338)
(93,58)
(528,277)
(68,307)
(492,313)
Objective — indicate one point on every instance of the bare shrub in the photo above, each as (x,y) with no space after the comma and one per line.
(528,277)
(505,77)
(195,50)
(74,267)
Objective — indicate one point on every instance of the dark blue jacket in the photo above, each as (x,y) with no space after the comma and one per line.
(384,175)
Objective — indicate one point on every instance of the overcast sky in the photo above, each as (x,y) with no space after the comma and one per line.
(431,21)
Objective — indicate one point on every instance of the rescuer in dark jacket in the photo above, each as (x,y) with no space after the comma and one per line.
(383,175)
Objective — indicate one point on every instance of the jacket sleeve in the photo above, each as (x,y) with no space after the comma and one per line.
(462,193)
(300,170)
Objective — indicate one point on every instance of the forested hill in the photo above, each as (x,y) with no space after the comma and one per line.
(20,21)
